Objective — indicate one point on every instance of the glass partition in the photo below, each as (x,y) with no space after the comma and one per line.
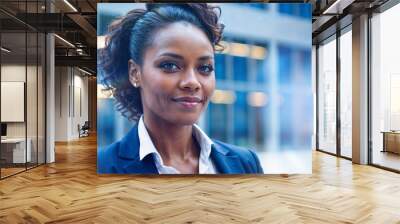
(13,103)
(22,89)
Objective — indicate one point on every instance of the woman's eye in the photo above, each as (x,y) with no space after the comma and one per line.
(169,67)
(207,69)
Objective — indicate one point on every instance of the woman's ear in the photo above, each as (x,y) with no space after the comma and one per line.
(134,73)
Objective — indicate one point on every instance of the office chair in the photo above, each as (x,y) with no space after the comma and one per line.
(84,130)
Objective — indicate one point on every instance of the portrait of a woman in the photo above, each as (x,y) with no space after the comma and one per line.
(159,64)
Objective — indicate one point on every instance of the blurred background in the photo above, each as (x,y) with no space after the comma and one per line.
(264,97)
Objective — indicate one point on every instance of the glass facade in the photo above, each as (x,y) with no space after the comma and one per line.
(327,96)
(22,89)
(346,94)
(385,87)
(383,91)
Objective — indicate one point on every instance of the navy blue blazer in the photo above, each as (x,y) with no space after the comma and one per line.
(122,157)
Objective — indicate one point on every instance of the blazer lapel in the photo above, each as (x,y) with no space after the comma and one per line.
(146,166)
(225,163)
(129,152)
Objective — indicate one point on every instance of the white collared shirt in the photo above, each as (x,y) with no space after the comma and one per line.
(206,166)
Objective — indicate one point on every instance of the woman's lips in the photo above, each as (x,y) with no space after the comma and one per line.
(188,102)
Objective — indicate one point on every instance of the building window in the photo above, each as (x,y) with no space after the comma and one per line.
(346,94)
(240,68)
(298,10)
(261,6)
(385,87)
(285,65)
(217,121)
(327,97)
(241,114)
(220,72)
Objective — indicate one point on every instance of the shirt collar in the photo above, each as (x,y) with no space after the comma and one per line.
(147,147)
(204,141)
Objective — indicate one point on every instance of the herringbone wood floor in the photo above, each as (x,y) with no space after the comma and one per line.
(70,191)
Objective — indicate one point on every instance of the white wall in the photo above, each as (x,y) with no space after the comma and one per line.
(71,94)
(61,103)
(80,89)
(16,73)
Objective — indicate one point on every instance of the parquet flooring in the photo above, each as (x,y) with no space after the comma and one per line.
(9,171)
(70,191)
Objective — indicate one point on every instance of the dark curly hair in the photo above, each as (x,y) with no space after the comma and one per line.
(131,35)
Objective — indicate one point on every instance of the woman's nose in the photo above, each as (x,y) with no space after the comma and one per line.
(189,81)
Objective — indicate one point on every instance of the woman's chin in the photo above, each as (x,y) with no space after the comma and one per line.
(185,119)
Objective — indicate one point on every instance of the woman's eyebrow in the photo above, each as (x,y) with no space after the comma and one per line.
(205,58)
(173,55)
(177,56)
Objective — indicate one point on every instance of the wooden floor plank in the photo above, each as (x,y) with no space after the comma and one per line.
(70,191)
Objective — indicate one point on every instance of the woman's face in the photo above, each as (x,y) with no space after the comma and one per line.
(177,76)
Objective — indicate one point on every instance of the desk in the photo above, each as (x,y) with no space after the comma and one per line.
(16,147)
(391,141)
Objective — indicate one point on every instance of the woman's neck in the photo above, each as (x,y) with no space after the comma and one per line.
(174,142)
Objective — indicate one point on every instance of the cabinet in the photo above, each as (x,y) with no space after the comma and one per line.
(391,141)
(13,150)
